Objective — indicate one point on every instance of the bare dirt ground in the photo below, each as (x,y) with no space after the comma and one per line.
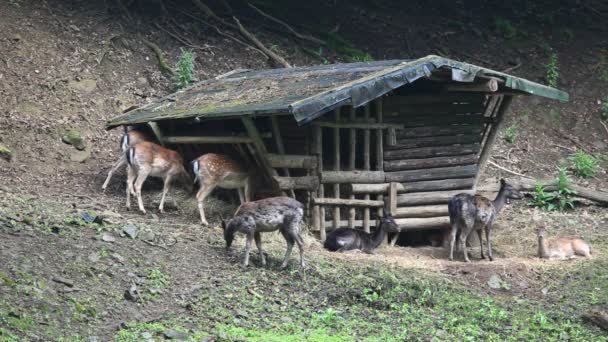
(58,73)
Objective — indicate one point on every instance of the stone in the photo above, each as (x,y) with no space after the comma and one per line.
(544,291)
(147,236)
(175,335)
(132,293)
(75,139)
(494,281)
(80,156)
(94,257)
(107,237)
(85,85)
(130,230)
(110,217)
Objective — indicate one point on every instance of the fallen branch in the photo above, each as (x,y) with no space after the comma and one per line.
(278,59)
(603,124)
(106,47)
(162,63)
(515,67)
(507,170)
(289,28)
(598,317)
(210,14)
(181,39)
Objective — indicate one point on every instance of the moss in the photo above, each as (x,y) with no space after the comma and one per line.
(6,153)
(74,138)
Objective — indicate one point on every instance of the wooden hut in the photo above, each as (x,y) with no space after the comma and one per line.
(349,137)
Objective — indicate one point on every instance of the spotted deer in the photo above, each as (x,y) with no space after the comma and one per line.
(129,138)
(562,247)
(218,170)
(149,159)
(267,215)
(470,213)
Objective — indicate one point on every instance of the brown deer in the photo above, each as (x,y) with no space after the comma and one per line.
(217,170)
(347,239)
(267,215)
(562,247)
(149,159)
(129,138)
(470,213)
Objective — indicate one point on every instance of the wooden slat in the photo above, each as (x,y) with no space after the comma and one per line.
(366,164)
(463,171)
(434,141)
(435,185)
(358,224)
(207,140)
(432,109)
(298,183)
(345,202)
(292,161)
(336,214)
(432,98)
(422,211)
(424,163)
(437,120)
(358,125)
(434,131)
(423,223)
(352,213)
(431,152)
(424,198)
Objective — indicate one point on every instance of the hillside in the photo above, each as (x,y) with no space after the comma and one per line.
(68,66)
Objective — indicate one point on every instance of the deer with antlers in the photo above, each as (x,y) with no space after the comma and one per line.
(213,170)
(129,138)
(149,159)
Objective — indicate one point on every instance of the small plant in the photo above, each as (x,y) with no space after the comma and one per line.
(567,34)
(329,317)
(157,280)
(184,74)
(603,65)
(542,199)
(604,112)
(511,133)
(559,200)
(552,70)
(584,165)
(505,27)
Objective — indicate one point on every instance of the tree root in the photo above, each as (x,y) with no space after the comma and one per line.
(289,28)
(278,59)
(162,63)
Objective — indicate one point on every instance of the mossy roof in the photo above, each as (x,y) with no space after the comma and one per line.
(309,92)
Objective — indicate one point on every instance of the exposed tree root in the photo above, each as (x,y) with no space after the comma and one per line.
(162,63)
(278,59)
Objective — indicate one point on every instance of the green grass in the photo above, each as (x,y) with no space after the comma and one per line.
(511,133)
(584,165)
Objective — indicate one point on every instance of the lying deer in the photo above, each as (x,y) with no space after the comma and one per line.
(469,213)
(346,239)
(562,247)
(129,138)
(267,215)
(212,170)
(149,159)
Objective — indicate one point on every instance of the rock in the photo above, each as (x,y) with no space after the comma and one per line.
(147,236)
(130,230)
(94,257)
(175,335)
(107,237)
(142,81)
(494,281)
(118,258)
(110,217)
(544,291)
(75,139)
(85,85)
(16,37)
(132,294)
(523,284)
(147,336)
(6,153)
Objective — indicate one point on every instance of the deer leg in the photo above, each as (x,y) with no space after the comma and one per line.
(248,190)
(119,163)
(480,244)
(258,242)
(139,182)
(241,195)
(463,245)
(488,236)
(205,190)
(248,244)
(130,179)
(166,186)
(453,239)
(290,241)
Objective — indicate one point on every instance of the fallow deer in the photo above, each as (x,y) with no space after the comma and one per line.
(267,215)
(346,239)
(217,170)
(562,247)
(129,138)
(149,159)
(470,213)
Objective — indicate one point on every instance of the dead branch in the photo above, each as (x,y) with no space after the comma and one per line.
(289,28)
(605,127)
(106,47)
(210,14)
(507,170)
(181,39)
(278,59)
(598,317)
(515,67)
(162,63)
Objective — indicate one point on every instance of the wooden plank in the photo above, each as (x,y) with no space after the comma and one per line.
(357,223)
(431,152)
(358,125)
(435,185)
(298,183)
(417,99)
(292,161)
(336,217)
(366,164)
(490,86)
(345,202)
(207,140)
(276,132)
(380,144)
(262,153)
(319,211)
(423,223)
(392,198)
(437,120)
(450,172)
(424,198)
(157,132)
(422,211)
(434,131)
(351,163)
(489,142)
(435,141)
(425,163)
(333,177)
(433,109)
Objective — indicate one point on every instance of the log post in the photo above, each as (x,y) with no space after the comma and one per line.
(157,132)
(392,205)
(319,211)
(276,132)
(487,147)
(336,216)
(366,165)
(379,146)
(351,164)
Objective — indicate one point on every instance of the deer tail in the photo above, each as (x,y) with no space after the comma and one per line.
(195,168)
(130,153)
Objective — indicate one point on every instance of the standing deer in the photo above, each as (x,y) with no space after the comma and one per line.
(149,159)
(562,247)
(267,215)
(129,138)
(468,213)
(346,239)
(212,170)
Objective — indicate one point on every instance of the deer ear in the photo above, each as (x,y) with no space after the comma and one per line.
(502,182)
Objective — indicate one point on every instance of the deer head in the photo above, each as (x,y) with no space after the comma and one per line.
(510,192)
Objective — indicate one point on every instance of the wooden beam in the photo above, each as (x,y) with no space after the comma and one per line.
(450,172)
(430,152)
(310,183)
(276,132)
(359,125)
(260,148)
(428,163)
(352,213)
(490,85)
(423,198)
(333,177)
(423,223)
(489,142)
(422,211)
(207,140)
(345,202)
(336,214)
(292,161)
(392,197)
(422,186)
(378,107)
(319,211)
(432,98)
(366,163)
(447,140)
(438,130)
(157,132)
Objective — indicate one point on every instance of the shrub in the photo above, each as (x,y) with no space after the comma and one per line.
(511,133)
(184,74)
(552,70)
(558,200)
(604,112)
(583,164)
